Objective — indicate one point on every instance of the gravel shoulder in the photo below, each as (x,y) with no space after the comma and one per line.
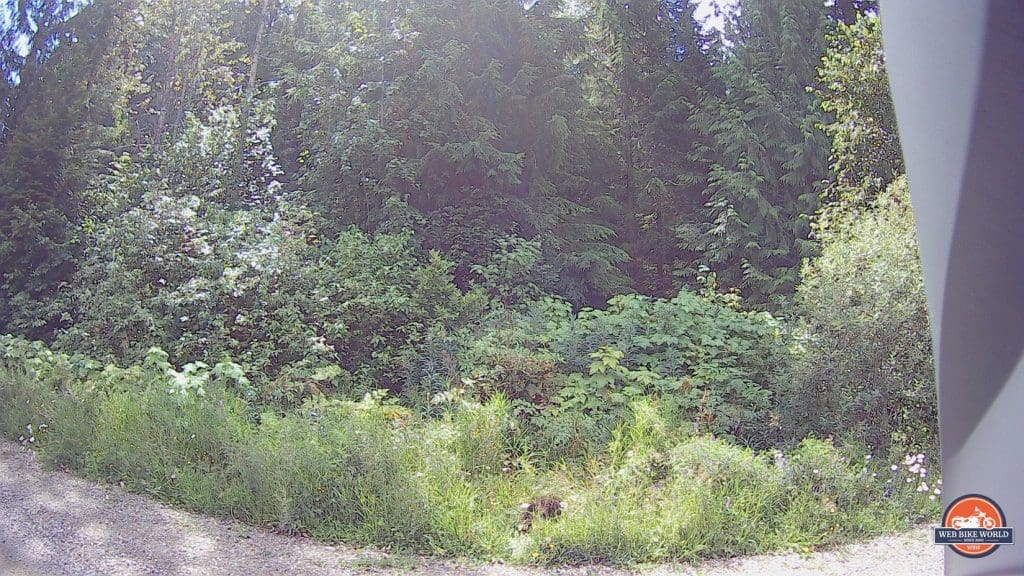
(53,523)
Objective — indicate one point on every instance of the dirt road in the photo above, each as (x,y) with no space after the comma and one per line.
(52,523)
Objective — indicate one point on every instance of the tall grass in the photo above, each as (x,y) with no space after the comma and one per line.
(361,472)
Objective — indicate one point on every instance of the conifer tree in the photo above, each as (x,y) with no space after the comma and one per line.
(767,156)
(508,144)
(461,119)
(337,62)
(58,130)
(29,33)
(651,63)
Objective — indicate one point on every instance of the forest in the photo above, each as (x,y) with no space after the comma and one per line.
(399,272)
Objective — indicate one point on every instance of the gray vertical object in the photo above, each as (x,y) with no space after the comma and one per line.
(956,69)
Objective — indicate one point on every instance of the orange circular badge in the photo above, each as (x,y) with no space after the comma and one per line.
(979,523)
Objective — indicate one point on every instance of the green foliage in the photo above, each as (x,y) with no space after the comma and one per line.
(765,157)
(573,376)
(122,77)
(336,62)
(459,118)
(370,472)
(483,434)
(346,478)
(702,497)
(866,153)
(645,68)
(205,264)
(23,404)
(57,132)
(708,361)
(269,210)
(194,376)
(513,273)
(864,370)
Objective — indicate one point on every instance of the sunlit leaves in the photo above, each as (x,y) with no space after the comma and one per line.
(866,153)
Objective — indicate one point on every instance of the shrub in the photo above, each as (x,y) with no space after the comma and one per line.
(507,356)
(182,262)
(572,376)
(863,370)
(711,498)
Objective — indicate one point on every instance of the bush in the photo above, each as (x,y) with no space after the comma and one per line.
(571,376)
(863,370)
(191,267)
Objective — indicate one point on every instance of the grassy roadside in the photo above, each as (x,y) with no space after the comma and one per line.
(370,472)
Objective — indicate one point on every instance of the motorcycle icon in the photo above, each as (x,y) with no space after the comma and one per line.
(977,520)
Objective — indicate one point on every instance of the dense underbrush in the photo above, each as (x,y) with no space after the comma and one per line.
(391,312)
(374,472)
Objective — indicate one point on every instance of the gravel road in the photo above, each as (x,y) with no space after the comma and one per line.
(52,523)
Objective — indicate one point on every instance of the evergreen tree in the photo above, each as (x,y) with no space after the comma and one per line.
(651,62)
(767,157)
(60,128)
(460,119)
(29,33)
(507,143)
(337,62)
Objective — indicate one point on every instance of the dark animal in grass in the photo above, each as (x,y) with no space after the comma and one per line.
(546,507)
